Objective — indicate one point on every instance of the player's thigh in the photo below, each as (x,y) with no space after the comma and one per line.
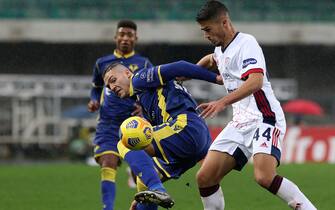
(231,142)
(266,144)
(215,166)
(264,168)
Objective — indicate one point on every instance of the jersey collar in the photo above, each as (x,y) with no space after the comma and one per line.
(224,49)
(128,55)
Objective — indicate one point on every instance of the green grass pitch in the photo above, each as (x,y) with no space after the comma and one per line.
(76,187)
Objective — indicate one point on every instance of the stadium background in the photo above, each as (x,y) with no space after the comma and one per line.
(47,51)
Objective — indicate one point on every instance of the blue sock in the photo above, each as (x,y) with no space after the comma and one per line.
(142,165)
(108,187)
(108,194)
(147,206)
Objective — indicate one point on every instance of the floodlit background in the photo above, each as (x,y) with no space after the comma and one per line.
(48,49)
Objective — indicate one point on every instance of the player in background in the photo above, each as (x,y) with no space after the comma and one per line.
(181,137)
(113,110)
(258,125)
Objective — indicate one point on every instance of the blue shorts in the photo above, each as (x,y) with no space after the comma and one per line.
(107,147)
(180,143)
(113,112)
(106,139)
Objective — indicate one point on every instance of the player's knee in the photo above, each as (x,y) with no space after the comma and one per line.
(263,179)
(203,179)
(110,161)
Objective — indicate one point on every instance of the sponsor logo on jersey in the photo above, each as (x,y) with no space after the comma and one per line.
(153,115)
(248,61)
(150,75)
(143,75)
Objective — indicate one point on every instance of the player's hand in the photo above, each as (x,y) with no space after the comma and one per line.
(133,205)
(219,80)
(137,111)
(211,109)
(93,106)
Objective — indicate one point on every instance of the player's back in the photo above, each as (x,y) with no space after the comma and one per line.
(181,136)
(166,102)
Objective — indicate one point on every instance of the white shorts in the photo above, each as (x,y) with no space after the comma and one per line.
(242,143)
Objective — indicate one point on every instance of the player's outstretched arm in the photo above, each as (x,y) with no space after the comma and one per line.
(158,76)
(185,69)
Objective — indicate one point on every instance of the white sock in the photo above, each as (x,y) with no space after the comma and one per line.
(214,201)
(289,192)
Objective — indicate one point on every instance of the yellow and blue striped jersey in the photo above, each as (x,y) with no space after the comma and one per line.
(161,97)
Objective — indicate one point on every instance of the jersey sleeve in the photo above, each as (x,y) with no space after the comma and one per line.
(159,75)
(97,83)
(146,78)
(251,59)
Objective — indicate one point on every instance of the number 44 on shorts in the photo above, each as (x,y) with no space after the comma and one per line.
(266,134)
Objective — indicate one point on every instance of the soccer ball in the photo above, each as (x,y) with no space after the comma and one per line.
(136,133)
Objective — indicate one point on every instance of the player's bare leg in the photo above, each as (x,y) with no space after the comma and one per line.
(266,176)
(215,166)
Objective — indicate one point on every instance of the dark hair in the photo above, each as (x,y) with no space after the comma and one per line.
(127,24)
(210,10)
(110,66)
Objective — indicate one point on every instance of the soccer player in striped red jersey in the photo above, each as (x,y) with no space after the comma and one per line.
(258,125)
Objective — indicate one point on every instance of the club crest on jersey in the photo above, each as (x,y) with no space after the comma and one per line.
(133,67)
(226,61)
(248,61)
(226,76)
